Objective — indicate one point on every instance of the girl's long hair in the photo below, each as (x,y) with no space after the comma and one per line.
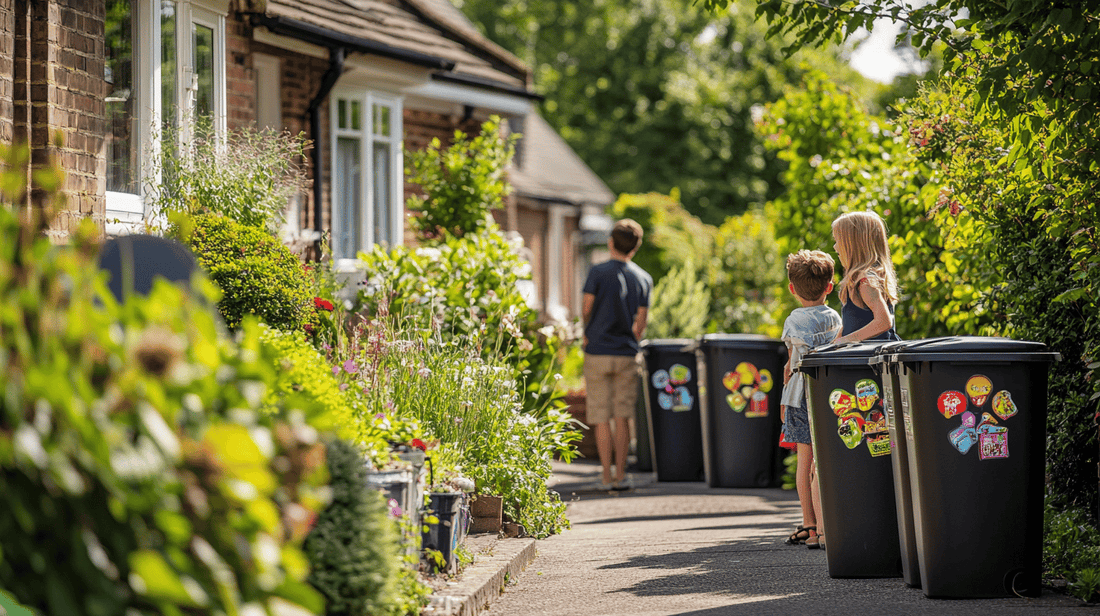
(862,236)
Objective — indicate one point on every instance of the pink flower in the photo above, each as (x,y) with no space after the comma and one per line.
(350,367)
(343,386)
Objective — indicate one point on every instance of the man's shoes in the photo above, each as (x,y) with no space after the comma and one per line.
(603,486)
(623,484)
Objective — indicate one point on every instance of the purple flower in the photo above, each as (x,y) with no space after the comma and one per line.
(343,386)
(335,370)
(350,367)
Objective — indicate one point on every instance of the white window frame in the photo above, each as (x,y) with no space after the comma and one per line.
(368,100)
(131,210)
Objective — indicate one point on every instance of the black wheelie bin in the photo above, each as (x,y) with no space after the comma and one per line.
(672,403)
(742,376)
(975,409)
(852,450)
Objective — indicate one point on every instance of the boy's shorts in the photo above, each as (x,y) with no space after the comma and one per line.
(796,426)
(611,387)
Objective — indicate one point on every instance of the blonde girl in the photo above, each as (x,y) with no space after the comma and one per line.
(869,289)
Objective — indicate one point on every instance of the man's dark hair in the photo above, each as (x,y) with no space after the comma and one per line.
(626,235)
(810,271)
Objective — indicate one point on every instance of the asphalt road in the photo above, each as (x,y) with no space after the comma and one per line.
(685,549)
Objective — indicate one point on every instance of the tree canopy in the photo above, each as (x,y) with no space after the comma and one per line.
(658,95)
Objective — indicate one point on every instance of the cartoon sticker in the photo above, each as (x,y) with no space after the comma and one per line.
(664,400)
(841,401)
(731,380)
(679,374)
(951,403)
(879,445)
(758,405)
(1003,405)
(978,388)
(682,400)
(875,424)
(737,402)
(989,424)
(748,373)
(993,445)
(965,436)
(850,429)
(749,389)
(766,381)
(866,394)
(660,379)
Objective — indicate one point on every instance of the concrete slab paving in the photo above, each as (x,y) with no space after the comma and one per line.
(685,549)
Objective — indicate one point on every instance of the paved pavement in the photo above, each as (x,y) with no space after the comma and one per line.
(685,549)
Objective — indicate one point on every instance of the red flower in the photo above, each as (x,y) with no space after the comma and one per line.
(419,444)
(323,304)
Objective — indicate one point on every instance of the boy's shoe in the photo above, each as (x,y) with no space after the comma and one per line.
(816,541)
(802,535)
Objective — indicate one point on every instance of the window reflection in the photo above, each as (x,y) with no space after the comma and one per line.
(121,121)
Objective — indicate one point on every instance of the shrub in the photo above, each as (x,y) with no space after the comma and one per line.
(1071,550)
(138,475)
(467,287)
(256,273)
(353,548)
(681,304)
(249,176)
(462,184)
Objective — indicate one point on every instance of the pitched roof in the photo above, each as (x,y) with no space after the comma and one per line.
(432,28)
(550,170)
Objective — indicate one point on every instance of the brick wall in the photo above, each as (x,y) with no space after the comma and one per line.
(7,68)
(57,98)
(240,81)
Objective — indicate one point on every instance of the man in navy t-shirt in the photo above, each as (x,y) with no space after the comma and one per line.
(616,303)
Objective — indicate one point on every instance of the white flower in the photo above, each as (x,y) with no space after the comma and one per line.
(432,254)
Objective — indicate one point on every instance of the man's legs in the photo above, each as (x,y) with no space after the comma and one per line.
(622,446)
(603,446)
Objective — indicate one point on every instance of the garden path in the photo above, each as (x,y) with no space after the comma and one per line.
(685,549)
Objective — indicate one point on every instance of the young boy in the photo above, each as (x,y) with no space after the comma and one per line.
(810,273)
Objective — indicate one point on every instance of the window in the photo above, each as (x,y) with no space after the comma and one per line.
(367,172)
(156,80)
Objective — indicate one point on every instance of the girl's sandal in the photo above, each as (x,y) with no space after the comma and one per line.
(801,535)
(815,541)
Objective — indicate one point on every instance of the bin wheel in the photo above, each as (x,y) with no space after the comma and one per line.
(1011,578)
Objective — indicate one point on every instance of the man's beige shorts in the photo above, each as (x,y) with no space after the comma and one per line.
(611,387)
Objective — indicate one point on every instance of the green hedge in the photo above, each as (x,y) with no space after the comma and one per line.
(256,273)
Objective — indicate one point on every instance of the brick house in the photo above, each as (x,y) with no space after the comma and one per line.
(363,79)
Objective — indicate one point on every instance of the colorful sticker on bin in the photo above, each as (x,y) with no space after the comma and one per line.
(879,445)
(951,403)
(841,401)
(978,388)
(875,423)
(992,445)
(679,400)
(679,374)
(660,379)
(850,429)
(1003,405)
(989,434)
(749,389)
(866,394)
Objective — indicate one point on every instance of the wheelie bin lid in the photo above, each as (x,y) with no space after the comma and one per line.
(740,341)
(887,352)
(976,349)
(844,354)
(686,345)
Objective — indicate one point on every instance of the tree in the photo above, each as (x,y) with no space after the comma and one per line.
(657,95)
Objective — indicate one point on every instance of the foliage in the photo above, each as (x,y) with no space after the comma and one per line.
(249,175)
(138,476)
(1046,285)
(1071,550)
(841,159)
(256,273)
(748,276)
(353,548)
(469,402)
(659,94)
(467,287)
(672,235)
(463,183)
(301,370)
(681,305)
